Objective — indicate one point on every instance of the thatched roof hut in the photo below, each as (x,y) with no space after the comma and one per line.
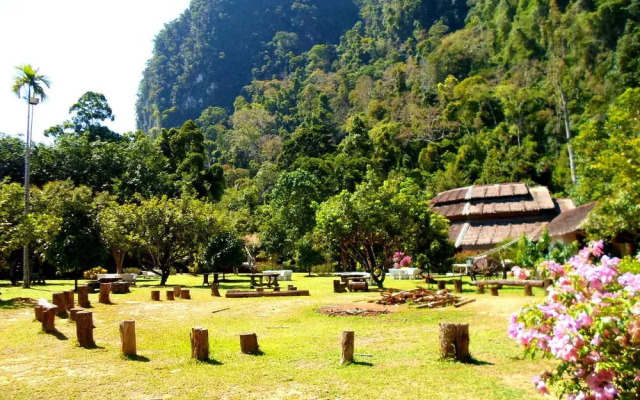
(484,216)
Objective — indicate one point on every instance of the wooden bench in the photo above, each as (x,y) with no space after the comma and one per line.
(495,285)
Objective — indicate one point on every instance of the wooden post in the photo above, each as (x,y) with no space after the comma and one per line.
(39,312)
(170,295)
(291,287)
(454,341)
(60,301)
(480,288)
(249,343)
(338,286)
(348,339)
(49,319)
(457,285)
(155,295)
(442,285)
(214,290)
(260,289)
(176,290)
(84,329)
(128,337)
(184,293)
(200,343)
(105,289)
(83,296)
(70,301)
(494,290)
(73,313)
(528,290)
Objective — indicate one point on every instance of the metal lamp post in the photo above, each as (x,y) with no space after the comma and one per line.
(31,102)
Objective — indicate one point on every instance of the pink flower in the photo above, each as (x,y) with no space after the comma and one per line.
(596,248)
(520,273)
(540,384)
(631,282)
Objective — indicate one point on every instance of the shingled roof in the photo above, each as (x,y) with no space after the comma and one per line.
(570,221)
(483,216)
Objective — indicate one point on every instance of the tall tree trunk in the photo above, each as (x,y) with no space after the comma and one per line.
(567,129)
(118,258)
(164,276)
(26,278)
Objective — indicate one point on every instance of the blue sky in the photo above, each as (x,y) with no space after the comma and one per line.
(81,45)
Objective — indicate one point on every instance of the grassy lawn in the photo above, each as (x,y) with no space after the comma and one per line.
(301,348)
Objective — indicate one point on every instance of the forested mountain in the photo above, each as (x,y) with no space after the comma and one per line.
(206,56)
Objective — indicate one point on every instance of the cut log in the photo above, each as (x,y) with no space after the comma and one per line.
(49,319)
(260,290)
(73,313)
(184,294)
(462,303)
(338,286)
(494,290)
(200,343)
(358,287)
(83,296)
(176,290)
(276,288)
(155,295)
(348,340)
(170,295)
(480,289)
(105,289)
(128,337)
(39,310)
(291,287)
(457,286)
(442,285)
(454,341)
(528,290)
(215,291)
(60,301)
(69,300)
(249,343)
(84,329)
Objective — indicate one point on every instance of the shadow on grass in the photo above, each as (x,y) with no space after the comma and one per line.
(92,347)
(475,361)
(57,334)
(210,362)
(360,363)
(256,353)
(138,358)
(16,303)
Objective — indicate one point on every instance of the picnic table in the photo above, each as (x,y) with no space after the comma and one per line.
(346,276)
(461,268)
(257,280)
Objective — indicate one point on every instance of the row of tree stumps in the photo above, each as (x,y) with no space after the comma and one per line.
(176,292)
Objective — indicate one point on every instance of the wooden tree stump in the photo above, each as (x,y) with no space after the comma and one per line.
(457,286)
(200,343)
(528,290)
(442,285)
(84,329)
(480,288)
(291,287)
(73,313)
(348,340)
(454,341)
(338,286)
(215,291)
(176,290)
(39,310)
(170,295)
(276,288)
(83,296)
(155,295)
(184,293)
(128,337)
(260,289)
(70,301)
(249,343)
(105,289)
(49,319)
(60,301)
(494,290)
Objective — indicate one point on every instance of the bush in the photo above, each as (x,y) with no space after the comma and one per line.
(132,271)
(589,322)
(323,269)
(92,274)
(630,264)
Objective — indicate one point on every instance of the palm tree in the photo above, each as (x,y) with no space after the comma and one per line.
(30,79)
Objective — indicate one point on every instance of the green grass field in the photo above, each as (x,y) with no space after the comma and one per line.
(301,348)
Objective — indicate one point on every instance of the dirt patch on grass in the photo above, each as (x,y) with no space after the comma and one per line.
(360,310)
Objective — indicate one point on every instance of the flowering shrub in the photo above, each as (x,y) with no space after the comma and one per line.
(400,260)
(590,322)
(92,274)
(520,273)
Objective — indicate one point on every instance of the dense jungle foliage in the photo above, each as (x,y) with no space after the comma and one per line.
(276,109)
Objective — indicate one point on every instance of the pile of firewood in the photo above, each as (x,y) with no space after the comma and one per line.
(341,312)
(425,297)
